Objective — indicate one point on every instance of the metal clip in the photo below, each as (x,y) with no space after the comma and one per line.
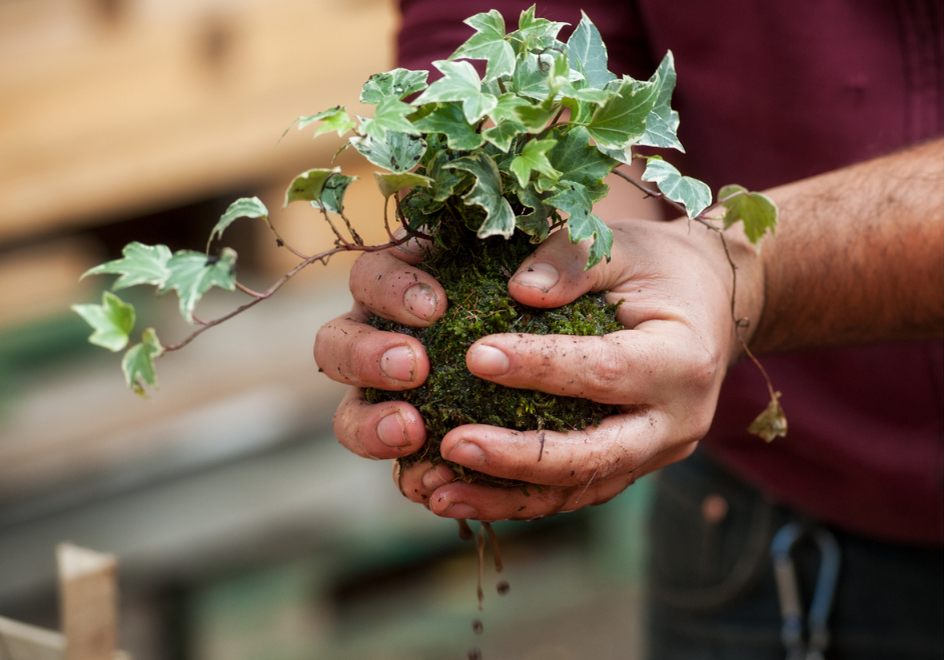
(785,575)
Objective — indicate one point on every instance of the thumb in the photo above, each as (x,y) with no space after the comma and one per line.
(554,274)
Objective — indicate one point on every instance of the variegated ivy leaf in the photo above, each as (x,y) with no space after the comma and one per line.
(112,321)
(138,362)
(245,207)
(307,186)
(391,183)
(757,212)
(397,152)
(397,84)
(448,119)
(502,136)
(332,195)
(194,273)
(574,200)
(621,120)
(390,115)
(460,82)
(505,107)
(691,193)
(487,193)
(488,44)
(333,119)
(663,122)
(140,264)
(533,158)
(588,54)
(534,33)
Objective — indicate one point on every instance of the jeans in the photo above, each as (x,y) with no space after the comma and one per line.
(712,593)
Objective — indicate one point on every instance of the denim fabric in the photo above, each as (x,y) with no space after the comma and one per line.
(712,593)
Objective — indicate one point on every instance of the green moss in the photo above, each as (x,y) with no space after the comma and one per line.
(475,274)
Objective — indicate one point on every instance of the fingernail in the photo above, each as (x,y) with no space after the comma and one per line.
(434,477)
(539,276)
(488,361)
(460,510)
(392,431)
(398,363)
(420,300)
(468,454)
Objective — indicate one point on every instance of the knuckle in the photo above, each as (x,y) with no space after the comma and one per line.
(607,368)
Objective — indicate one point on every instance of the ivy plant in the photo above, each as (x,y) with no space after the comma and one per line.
(526,145)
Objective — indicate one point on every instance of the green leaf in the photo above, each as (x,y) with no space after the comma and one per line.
(535,118)
(397,152)
(307,186)
(691,193)
(140,264)
(622,119)
(445,181)
(391,183)
(663,121)
(112,321)
(579,162)
(390,115)
(397,84)
(757,212)
(448,119)
(333,119)
(487,193)
(138,362)
(588,54)
(533,158)
(535,224)
(504,134)
(194,273)
(460,82)
(333,193)
(582,224)
(245,207)
(488,43)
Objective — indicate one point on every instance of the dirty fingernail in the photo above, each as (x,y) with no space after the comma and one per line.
(398,363)
(489,361)
(539,276)
(460,510)
(434,477)
(392,431)
(420,300)
(468,454)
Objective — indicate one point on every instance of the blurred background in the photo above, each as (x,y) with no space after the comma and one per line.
(243,530)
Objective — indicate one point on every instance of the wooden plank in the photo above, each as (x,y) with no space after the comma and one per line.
(88,595)
(19,641)
(98,122)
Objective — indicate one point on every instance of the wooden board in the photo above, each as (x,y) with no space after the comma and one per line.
(158,103)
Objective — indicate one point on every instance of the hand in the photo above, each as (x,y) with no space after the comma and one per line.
(664,372)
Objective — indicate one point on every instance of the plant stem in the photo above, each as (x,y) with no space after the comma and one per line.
(259,297)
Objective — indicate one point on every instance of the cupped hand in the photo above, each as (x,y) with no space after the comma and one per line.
(663,371)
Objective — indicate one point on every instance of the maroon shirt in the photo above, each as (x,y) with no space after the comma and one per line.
(768,93)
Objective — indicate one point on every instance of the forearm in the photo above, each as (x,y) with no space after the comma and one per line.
(857,257)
